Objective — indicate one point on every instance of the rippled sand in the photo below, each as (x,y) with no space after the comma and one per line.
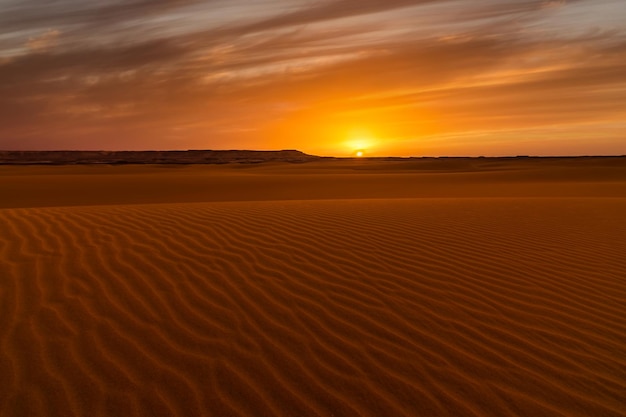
(330,289)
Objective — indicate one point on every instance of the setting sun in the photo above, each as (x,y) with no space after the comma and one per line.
(359,154)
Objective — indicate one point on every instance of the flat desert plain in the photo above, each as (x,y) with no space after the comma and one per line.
(331,288)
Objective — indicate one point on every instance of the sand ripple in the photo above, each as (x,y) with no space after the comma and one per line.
(433,307)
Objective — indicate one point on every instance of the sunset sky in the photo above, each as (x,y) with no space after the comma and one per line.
(328,77)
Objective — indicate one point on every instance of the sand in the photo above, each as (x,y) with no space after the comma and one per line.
(323,289)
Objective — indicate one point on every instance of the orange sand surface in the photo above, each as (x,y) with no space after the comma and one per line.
(342,288)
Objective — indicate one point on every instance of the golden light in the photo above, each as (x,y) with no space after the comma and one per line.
(359,141)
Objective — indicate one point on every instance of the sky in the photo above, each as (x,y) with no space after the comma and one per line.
(327,77)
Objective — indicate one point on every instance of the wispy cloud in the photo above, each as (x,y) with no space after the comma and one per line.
(26,14)
(43,42)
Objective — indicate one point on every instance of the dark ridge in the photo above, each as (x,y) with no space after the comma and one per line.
(151,157)
(198,156)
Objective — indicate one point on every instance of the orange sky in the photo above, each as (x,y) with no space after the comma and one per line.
(328,77)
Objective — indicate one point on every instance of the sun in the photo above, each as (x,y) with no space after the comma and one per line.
(359,153)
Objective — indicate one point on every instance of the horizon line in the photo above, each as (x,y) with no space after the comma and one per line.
(318,156)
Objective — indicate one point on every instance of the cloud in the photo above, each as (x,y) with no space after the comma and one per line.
(33,13)
(328,11)
(44,42)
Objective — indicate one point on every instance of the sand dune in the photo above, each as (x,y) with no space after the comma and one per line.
(45,186)
(439,307)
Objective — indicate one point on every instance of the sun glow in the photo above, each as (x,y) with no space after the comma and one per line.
(359,141)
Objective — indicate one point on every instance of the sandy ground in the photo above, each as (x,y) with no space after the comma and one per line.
(346,288)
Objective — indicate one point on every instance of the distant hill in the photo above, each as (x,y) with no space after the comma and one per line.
(151,157)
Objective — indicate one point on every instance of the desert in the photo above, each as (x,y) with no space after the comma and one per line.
(330,287)
(312,208)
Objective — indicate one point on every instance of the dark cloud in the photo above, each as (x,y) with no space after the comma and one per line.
(329,10)
(28,14)
(337,9)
